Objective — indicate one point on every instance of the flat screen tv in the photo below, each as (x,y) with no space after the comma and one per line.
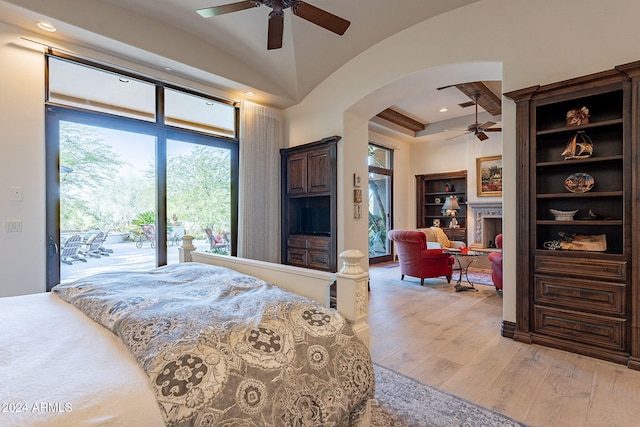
(315,221)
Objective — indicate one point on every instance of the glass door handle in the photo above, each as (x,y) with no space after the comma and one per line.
(54,248)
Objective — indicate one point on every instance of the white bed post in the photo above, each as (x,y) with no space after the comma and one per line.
(353,293)
(353,304)
(184,251)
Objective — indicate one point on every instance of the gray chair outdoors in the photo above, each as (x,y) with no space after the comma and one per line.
(70,250)
(91,234)
(105,251)
(93,245)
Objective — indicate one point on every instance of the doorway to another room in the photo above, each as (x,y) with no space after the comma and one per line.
(380,162)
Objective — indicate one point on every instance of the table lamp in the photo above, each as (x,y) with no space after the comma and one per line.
(450,206)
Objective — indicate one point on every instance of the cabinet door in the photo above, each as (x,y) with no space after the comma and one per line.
(297,257)
(297,174)
(318,171)
(319,260)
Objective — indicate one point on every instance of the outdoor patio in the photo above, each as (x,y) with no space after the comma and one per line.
(125,256)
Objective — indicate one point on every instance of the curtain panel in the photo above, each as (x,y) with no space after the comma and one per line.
(259,195)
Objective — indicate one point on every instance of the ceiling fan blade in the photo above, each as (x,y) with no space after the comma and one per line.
(457,136)
(486,125)
(493,130)
(208,12)
(482,136)
(320,17)
(276,28)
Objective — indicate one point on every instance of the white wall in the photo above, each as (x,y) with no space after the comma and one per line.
(535,42)
(454,155)
(22,255)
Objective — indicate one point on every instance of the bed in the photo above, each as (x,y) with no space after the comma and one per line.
(90,354)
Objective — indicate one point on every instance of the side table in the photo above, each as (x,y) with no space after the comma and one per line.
(464,258)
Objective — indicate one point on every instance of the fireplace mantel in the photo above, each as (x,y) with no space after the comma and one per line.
(480,212)
(485,205)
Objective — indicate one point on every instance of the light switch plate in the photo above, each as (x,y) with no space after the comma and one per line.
(16,194)
(14,226)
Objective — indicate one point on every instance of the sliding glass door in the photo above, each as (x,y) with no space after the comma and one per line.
(380,203)
(199,199)
(121,194)
(108,192)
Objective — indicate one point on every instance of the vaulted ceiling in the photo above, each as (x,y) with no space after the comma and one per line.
(230,52)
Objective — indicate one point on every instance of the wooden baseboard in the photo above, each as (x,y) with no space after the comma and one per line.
(508,329)
(634,363)
(520,336)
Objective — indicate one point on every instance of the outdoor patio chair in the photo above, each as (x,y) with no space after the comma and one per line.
(70,250)
(93,245)
(105,251)
(91,234)
(217,241)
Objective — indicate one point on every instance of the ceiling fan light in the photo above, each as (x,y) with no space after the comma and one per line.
(46,26)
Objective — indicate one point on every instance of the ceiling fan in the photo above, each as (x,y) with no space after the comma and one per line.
(480,129)
(304,10)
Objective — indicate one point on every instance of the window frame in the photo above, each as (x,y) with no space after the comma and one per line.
(53,113)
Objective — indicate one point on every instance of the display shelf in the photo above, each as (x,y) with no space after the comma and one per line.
(430,188)
(562,294)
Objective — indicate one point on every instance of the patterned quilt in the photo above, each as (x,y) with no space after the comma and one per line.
(226,349)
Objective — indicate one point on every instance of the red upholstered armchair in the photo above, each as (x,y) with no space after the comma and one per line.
(418,261)
(496,264)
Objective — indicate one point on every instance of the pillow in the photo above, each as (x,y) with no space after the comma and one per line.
(431,236)
(441,237)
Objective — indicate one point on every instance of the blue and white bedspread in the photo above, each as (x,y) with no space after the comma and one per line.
(226,349)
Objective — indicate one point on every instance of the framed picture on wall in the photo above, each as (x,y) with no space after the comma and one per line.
(489,176)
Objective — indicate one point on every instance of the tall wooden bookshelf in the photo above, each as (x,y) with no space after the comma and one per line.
(583,301)
(432,191)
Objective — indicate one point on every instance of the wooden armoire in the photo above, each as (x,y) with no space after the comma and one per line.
(309,205)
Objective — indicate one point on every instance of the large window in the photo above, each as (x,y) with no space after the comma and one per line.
(137,164)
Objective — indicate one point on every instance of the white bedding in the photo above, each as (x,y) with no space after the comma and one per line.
(43,374)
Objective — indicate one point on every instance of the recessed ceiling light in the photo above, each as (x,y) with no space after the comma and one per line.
(249,94)
(168,68)
(443,110)
(46,26)
(123,80)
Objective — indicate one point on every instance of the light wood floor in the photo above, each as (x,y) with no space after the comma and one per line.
(452,341)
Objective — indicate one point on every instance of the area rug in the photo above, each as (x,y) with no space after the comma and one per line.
(477,276)
(401,401)
(389,265)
